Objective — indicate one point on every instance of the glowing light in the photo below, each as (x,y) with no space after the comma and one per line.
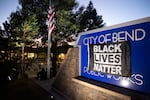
(9,78)
(61,56)
(125,83)
(30,55)
(2,51)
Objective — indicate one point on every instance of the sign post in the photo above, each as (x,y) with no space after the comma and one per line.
(118,54)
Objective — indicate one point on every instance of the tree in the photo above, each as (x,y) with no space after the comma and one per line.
(6,39)
(89,19)
(26,32)
(66,5)
(40,8)
(7,62)
(65,25)
(68,21)
(23,30)
(65,22)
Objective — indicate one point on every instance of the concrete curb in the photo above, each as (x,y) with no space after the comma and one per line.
(64,97)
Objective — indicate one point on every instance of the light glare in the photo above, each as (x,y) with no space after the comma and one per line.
(125,83)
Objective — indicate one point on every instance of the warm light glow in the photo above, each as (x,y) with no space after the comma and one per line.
(30,55)
(61,56)
(125,82)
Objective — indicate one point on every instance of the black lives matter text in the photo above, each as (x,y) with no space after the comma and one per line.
(109,58)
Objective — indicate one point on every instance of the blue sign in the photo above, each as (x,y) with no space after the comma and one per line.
(137,34)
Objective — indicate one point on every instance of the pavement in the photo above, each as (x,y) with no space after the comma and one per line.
(47,86)
(23,89)
(30,89)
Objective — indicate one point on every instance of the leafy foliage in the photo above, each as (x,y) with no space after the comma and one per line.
(30,22)
(88,18)
(65,25)
(68,20)
(38,7)
(66,5)
(29,28)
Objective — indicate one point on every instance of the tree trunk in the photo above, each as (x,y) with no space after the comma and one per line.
(22,59)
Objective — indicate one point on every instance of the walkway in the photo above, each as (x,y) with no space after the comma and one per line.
(24,89)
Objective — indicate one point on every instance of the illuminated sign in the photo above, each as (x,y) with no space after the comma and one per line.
(117,55)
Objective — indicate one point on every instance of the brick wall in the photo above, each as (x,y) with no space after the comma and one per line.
(76,89)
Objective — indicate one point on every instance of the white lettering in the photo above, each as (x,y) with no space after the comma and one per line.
(107,39)
(101,39)
(107,69)
(141,35)
(130,36)
(107,48)
(136,79)
(107,58)
(120,37)
(85,41)
(114,37)
(133,35)
(117,47)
